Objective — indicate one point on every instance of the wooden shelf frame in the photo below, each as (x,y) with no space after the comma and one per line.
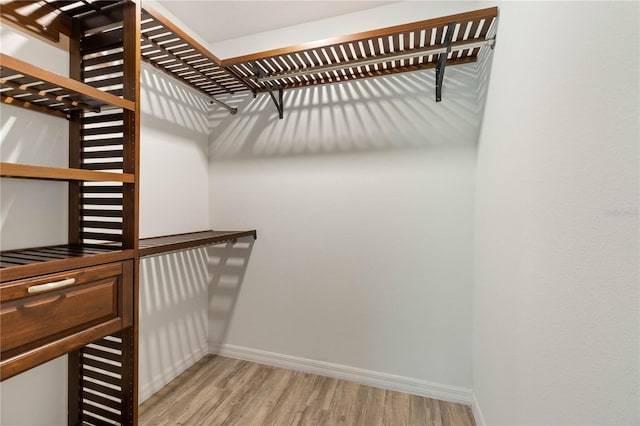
(28,86)
(26,171)
(167,243)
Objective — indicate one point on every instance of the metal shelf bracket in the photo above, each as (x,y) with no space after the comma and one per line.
(442,60)
(270,87)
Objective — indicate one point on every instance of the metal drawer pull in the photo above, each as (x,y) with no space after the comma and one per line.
(50,286)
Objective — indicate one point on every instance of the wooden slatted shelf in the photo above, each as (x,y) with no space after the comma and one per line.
(24,263)
(367,54)
(62,174)
(28,86)
(167,243)
(449,40)
(168,48)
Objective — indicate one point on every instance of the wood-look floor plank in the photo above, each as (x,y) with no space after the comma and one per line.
(396,409)
(225,391)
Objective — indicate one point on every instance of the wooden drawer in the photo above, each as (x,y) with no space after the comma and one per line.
(47,316)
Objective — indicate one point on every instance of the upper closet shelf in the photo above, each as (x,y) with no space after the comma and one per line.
(434,43)
(168,48)
(28,86)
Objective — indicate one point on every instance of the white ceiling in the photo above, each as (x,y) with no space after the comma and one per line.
(222,20)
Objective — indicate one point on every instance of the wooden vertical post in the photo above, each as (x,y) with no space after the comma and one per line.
(74,400)
(75,136)
(131,164)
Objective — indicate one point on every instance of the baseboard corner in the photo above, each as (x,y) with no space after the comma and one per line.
(477,412)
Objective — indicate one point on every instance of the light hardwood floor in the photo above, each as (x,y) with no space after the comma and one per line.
(226,391)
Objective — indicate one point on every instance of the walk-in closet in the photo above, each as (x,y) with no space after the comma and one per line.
(319,212)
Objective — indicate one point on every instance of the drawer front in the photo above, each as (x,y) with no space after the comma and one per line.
(41,310)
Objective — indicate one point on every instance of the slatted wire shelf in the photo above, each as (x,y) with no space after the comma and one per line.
(434,43)
(169,49)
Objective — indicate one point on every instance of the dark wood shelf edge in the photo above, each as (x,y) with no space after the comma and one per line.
(167,243)
(60,265)
(10,367)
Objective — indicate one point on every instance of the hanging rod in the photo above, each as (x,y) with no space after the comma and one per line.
(229,108)
(378,60)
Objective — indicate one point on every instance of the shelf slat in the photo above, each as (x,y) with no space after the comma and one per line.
(58,173)
(29,262)
(33,106)
(167,243)
(82,94)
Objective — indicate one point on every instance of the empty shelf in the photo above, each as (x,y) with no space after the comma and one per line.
(28,86)
(171,50)
(59,173)
(24,263)
(167,243)
(402,48)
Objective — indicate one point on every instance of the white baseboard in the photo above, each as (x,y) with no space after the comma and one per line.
(477,412)
(358,375)
(169,373)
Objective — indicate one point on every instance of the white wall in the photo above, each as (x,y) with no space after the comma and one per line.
(174,198)
(363,201)
(366,20)
(556,269)
(174,134)
(29,137)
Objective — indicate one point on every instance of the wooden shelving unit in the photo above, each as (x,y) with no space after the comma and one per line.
(80,298)
(168,243)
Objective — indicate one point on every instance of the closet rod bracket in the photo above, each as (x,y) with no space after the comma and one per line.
(229,108)
(270,87)
(442,60)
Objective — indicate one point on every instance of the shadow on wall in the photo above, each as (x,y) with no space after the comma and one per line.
(393,112)
(173,316)
(30,137)
(33,138)
(227,265)
(187,300)
(170,106)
